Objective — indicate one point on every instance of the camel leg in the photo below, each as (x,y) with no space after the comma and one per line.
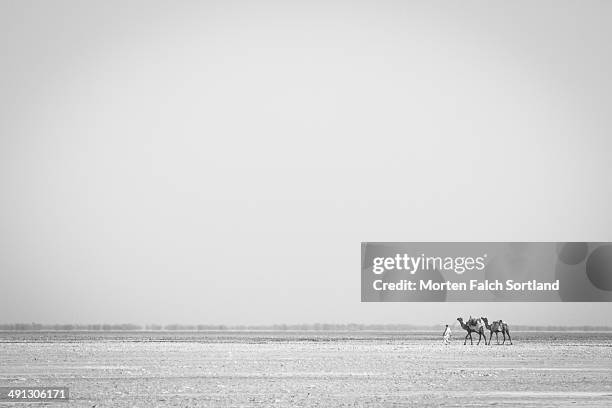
(479,336)
(504,334)
(510,338)
(465,340)
(490,335)
(497,337)
(471,340)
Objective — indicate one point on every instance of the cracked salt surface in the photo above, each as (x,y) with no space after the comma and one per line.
(311,369)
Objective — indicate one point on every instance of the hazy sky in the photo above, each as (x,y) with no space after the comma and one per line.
(220,162)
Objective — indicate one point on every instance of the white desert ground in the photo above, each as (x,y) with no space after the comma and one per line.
(309,369)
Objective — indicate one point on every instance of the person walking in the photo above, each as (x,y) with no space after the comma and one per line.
(446,336)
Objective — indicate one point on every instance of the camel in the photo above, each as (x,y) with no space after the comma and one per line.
(505,331)
(493,328)
(497,327)
(474,325)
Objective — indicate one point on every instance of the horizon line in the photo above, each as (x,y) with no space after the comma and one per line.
(33,326)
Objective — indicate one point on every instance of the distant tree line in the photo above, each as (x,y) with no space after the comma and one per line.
(65,327)
(274,327)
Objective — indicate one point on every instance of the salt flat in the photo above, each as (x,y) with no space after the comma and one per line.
(310,369)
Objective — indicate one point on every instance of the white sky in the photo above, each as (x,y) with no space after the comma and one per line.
(220,162)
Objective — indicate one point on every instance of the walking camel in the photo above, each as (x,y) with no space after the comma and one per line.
(497,327)
(473,326)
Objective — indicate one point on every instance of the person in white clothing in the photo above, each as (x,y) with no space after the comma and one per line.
(446,336)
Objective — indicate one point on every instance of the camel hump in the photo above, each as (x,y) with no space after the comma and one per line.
(474,324)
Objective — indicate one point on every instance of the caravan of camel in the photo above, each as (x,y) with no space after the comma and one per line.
(478,325)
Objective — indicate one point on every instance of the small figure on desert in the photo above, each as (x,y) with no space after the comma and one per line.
(505,331)
(473,326)
(446,336)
